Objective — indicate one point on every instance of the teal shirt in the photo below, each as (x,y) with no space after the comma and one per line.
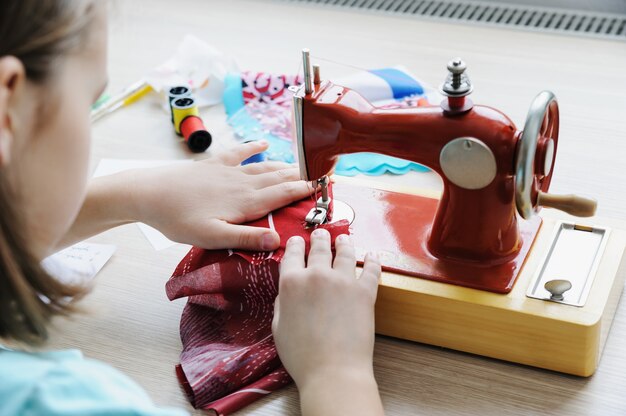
(65,383)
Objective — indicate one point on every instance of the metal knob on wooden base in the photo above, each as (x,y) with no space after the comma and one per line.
(557,288)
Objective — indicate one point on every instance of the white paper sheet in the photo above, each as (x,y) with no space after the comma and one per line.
(79,263)
(111,166)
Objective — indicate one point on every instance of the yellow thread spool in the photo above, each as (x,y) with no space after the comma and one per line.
(175,93)
(181,109)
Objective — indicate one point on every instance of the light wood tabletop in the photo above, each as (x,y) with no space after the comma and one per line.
(130,324)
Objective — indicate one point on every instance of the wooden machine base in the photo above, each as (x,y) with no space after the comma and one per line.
(512,326)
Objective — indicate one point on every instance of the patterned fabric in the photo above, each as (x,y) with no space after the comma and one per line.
(229,359)
(267,88)
(258,106)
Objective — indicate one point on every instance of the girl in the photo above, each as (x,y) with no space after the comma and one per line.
(51,47)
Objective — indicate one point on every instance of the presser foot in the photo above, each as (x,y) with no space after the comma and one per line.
(319,214)
(316,216)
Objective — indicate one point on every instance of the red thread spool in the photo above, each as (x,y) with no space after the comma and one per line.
(196,136)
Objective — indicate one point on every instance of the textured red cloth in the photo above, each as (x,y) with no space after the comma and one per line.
(229,359)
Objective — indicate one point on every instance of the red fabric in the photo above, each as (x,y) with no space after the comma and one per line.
(229,359)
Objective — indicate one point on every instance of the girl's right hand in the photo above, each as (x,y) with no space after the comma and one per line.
(324,325)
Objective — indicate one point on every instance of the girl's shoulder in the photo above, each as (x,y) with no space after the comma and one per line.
(66,383)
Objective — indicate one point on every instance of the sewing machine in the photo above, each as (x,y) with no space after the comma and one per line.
(476,269)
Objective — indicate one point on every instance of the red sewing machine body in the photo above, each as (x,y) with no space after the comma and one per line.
(470,225)
(477,225)
(490,172)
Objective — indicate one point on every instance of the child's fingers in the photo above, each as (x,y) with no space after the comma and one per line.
(371,272)
(320,254)
(277,196)
(241,152)
(264,167)
(345,260)
(276,314)
(276,177)
(293,259)
(239,236)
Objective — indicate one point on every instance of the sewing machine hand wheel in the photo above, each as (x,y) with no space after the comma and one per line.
(535,158)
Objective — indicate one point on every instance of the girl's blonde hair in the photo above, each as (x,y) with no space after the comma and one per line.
(39,33)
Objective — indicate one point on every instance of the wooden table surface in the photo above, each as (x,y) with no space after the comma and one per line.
(131,325)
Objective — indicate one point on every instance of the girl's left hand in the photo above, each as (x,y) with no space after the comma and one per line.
(202,203)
